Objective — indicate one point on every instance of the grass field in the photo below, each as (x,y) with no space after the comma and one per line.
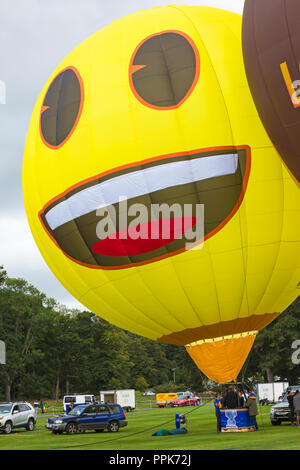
(143,423)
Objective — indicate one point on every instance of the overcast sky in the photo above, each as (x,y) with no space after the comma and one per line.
(35,35)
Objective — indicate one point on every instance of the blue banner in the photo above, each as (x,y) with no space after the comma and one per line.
(235,419)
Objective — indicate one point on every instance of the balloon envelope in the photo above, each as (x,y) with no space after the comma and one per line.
(155,110)
(271,47)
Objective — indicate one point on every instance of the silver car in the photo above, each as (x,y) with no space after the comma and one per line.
(19,414)
(281,411)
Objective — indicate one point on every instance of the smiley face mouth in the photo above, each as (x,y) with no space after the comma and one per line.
(215,178)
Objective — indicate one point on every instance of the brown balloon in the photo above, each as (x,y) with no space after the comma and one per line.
(271,49)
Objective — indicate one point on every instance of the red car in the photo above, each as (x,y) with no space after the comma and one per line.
(179,402)
(193,401)
(185,402)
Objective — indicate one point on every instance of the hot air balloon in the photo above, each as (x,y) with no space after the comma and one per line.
(271,48)
(154,111)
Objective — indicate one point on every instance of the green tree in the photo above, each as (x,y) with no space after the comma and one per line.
(3,275)
(20,305)
(272,351)
(141,384)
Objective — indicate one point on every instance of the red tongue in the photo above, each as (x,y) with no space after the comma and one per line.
(145,237)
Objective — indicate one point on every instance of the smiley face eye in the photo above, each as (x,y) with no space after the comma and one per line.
(61,108)
(164,70)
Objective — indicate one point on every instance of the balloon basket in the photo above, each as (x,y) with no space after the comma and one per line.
(237,420)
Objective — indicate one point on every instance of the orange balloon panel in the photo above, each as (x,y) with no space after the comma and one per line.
(221,360)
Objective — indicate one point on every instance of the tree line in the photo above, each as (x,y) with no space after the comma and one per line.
(52,350)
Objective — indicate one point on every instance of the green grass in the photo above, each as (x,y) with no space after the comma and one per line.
(141,424)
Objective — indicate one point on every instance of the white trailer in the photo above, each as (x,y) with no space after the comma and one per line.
(125,398)
(272,391)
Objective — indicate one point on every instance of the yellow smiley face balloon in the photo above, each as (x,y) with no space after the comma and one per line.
(153,114)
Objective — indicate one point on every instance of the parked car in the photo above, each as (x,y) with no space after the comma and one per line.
(281,412)
(19,414)
(149,394)
(97,417)
(185,401)
(178,402)
(193,401)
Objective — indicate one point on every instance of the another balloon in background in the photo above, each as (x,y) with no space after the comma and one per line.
(271,47)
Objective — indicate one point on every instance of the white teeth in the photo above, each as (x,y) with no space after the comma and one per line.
(138,183)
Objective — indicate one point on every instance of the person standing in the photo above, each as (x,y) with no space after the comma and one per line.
(231,399)
(218,405)
(71,406)
(36,406)
(42,406)
(290,399)
(241,399)
(252,410)
(296,402)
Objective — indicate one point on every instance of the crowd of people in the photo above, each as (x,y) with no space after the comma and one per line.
(235,399)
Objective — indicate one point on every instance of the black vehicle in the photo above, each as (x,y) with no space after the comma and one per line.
(97,417)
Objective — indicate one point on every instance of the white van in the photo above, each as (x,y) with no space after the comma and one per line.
(77,400)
